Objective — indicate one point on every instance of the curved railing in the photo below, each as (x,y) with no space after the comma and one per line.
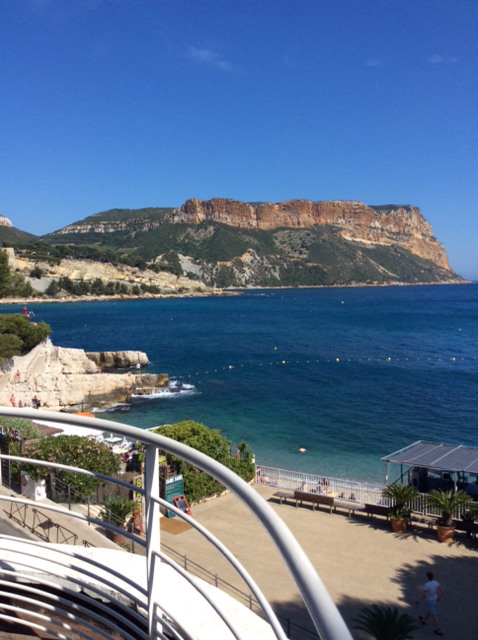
(323,611)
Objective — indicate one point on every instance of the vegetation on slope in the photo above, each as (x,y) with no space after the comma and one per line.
(18,335)
(12,284)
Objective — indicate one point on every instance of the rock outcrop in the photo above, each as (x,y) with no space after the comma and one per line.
(400,225)
(67,379)
(5,222)
(118,359)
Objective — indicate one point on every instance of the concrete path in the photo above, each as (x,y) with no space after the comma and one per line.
(360,561)
(64,524)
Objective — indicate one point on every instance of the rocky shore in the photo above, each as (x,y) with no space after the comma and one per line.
(63,379)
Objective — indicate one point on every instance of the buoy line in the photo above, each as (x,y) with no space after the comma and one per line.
(337,360)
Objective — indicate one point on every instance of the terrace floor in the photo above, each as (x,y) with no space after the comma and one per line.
(359,559)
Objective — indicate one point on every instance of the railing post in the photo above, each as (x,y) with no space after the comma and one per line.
(151,485)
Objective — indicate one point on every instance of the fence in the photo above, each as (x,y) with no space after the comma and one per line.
(348,489)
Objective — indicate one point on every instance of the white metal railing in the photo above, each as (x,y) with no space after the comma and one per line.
(362,492)
(350,490)
(322,610)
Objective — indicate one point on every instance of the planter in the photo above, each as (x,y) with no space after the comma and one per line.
(445,533)
(399,525)
(116,537)
(31,488)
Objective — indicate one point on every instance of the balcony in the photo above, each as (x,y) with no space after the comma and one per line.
(73,582)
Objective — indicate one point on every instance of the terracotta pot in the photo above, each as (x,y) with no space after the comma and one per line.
(116,537)
(399,525)
(445,533)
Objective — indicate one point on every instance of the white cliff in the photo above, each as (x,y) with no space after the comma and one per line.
(67,379)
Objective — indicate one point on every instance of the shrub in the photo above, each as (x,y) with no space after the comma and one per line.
(116,509)
(12,284)
(197,484)
(18,335)
(383,622)
(77,451)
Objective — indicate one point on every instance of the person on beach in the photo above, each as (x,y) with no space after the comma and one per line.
(431,593)
(13,402)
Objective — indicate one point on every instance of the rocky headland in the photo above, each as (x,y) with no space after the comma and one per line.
(205,247)
(402,225)
(64,379)
(226,243)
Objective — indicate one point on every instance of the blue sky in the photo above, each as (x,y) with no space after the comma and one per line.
(134,103)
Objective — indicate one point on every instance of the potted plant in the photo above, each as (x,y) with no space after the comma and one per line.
(383,622)
(401,495)
(115,510)
(468,518)
(447,502)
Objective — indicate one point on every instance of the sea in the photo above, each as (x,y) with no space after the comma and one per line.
(348,374)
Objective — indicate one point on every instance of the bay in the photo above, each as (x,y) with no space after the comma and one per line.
(349,374)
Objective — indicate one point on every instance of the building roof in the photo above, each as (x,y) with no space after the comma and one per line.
(442,457)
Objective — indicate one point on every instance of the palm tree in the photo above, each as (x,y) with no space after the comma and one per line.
(116,509)
(447,502)
(383,622)
(401,496)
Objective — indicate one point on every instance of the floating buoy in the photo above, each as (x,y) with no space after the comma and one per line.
(275,348)
(302,450)
(389,359)
(337,359)
(283,361)
(230,366)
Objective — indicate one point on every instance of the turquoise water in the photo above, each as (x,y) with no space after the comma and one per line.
(350,374)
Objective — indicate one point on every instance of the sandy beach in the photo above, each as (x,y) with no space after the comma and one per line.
(360,561)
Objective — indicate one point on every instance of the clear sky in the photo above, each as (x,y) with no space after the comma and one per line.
(134,103)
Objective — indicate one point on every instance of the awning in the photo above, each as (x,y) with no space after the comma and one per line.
(442,457)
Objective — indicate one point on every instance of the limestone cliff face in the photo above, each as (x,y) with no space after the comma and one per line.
(399,225)
(5,222)
(118,359)
(227,211)
(67,379)
(111,226)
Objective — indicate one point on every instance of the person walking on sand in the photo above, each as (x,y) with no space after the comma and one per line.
(431,593)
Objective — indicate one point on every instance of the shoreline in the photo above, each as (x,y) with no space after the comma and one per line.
(236,291)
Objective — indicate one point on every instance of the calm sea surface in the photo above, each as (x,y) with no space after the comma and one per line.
(349,374)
